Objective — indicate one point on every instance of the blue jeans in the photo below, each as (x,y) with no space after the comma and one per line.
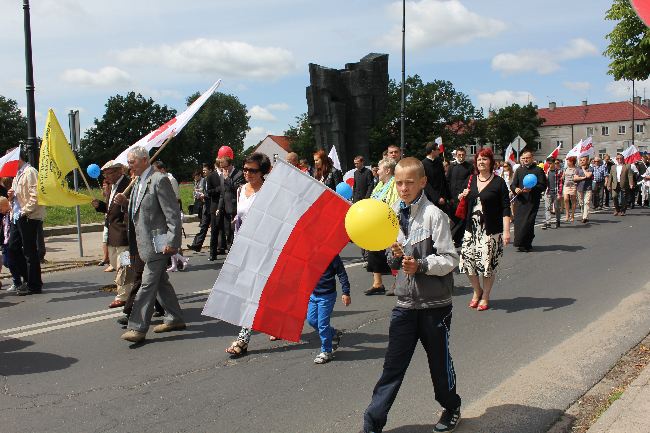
(318,316)
(431,327)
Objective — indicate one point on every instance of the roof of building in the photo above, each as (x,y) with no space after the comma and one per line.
(593,113)
(281,140)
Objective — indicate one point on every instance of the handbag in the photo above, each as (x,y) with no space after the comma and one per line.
(461,210)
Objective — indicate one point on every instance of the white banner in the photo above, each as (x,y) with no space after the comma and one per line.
(157,137)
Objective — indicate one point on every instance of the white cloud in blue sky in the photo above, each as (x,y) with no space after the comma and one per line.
(497,51)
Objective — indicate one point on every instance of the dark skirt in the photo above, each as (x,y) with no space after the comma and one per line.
(378,263)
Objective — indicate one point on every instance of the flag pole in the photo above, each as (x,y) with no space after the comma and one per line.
(151,160)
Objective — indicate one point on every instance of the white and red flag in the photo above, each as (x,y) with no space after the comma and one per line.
(291,233)
(335,158)
(156,137)
(9,163)
(553,155)
(575,151)
(441,146)
(631,155)
(587,148)
(510,157)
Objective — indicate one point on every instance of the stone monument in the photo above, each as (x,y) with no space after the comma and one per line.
(344,104)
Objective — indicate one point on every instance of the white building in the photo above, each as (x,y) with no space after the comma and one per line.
(274,145)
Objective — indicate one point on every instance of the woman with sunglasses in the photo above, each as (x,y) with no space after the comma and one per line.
(256,166)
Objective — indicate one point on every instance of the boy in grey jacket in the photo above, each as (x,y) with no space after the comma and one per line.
(425,257)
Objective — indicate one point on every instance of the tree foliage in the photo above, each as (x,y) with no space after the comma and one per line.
(432,109)
(508,122)
(629,43)
(302,138)
(13,125)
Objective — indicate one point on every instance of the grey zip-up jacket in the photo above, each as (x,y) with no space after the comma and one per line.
(430,243)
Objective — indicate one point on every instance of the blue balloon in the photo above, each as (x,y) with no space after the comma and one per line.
(93,171)
(530,180)
(344,190)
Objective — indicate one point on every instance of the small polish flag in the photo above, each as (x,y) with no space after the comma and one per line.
(510,156)
(587,148)
(348,177)
(631,155)
(553,155)
(274,263)
(440,145)
(335,157)
(9,163)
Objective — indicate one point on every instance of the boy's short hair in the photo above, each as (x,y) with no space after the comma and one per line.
(411,163)
(3,199)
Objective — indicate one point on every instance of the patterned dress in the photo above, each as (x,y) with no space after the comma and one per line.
(481,252)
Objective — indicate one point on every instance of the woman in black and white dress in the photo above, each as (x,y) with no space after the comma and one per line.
(487,228)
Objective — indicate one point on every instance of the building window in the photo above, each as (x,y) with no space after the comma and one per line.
(619,150)
(604,130)
(472,149)
(559,143)
(538,146)
(602,153)
(640,128)
(590,131)
(621,129)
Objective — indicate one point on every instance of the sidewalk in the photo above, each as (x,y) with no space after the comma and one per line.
(62,251)
(628,414)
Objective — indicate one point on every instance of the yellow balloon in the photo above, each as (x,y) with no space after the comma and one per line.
(372,225)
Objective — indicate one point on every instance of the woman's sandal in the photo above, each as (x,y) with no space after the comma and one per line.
(237,348)
(483,307)
(473,303)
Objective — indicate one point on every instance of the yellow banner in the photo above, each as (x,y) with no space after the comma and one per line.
(56,161)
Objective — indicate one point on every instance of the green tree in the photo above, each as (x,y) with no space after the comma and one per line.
(432,109)
(629,43)
(508,122)
(126,120)
(302,138)
(13,125)
(222,121)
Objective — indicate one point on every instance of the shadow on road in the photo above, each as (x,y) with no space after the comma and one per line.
(521,303)
(568,248)
(507,418)
(14,363)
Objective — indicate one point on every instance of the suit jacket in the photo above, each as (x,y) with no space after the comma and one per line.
(116,218)
(228,200)
(154,208)
(363,184)
(436,186)
(627,177)
(213,187)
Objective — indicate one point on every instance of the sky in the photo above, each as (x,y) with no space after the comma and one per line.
(497,51)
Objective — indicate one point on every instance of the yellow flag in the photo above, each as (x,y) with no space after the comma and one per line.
(56,161)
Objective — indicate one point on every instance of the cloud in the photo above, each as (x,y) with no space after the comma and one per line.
(542,61)
(503,98)
(261,113)
(431,23)
(215,57)
(255,135)
(278,107)
(578,86)
(105,77)
(623,89)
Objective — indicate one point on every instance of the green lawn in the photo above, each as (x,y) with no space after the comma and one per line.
(64,216)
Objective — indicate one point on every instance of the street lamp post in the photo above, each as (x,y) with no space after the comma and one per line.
(31,145)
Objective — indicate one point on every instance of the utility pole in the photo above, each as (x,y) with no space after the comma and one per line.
(402,142)
(633,102)
(73,118)
(31,146)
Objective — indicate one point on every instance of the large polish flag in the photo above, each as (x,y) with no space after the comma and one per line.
(9,163)
(293,230)
(157,137)
(631,155)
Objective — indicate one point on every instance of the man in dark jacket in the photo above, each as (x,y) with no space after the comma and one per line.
(206,218)
(436,188)
(115,222)
(232,179)
(363,181)
(527,202)
(457,179)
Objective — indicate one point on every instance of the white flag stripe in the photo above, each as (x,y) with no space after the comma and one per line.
(13,155)
(151,140)
(335,158)
(285,196)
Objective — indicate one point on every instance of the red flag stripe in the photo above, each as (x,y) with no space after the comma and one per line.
(9,169)
(312,245)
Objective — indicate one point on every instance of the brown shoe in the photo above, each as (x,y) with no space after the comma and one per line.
(375,290)
(133,336)
(117,304)
(168,327)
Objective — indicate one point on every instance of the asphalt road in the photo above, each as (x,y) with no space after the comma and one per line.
(560,316)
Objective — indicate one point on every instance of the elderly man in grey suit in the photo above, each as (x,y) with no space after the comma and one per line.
(154,234)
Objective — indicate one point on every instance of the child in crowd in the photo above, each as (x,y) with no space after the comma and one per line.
(5,210)
(321,304)
(425,257)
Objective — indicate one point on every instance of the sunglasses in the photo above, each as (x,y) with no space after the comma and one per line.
(251,170)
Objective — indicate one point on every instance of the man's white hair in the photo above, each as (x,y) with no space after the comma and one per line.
(139,152)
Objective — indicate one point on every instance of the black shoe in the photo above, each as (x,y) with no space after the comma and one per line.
(545,226)
(557,225)
(212,258)
(336,340)
(375,291)
(124,320)
(448,422)
(528,248)
(521,249)
(194,248)
(221,252)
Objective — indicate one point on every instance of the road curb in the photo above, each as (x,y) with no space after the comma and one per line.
(92,227)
